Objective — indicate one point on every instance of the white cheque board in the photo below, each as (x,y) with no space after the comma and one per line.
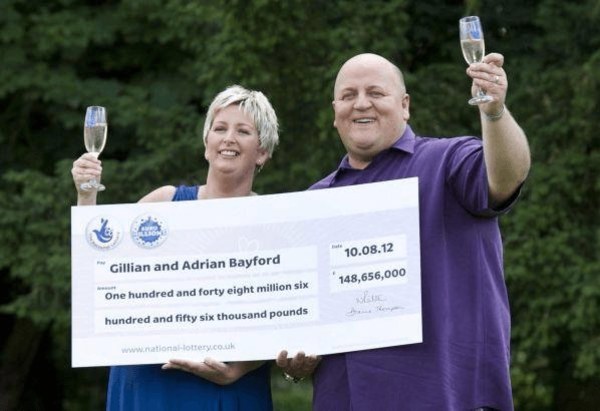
(322,271)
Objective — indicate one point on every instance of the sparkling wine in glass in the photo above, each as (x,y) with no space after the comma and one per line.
(94,137)
(473,49)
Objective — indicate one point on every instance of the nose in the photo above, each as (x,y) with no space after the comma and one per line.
(229,136)
(362,102)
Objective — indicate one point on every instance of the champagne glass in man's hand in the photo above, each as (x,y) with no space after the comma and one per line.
(94,136)
(473,49)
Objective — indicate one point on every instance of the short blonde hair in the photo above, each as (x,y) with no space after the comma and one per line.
(256,105)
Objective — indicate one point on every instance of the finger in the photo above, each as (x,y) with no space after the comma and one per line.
(171,366)
(89,159)
(87,177)
(483,71)
(174,363)
(179,364)
(82,166)
(496,85)
(89,156)
(496,59)
(282,359)
(79,176)
(84,163)
(308,363)
(85,174)
(215,365)
(297,362)
(496,78)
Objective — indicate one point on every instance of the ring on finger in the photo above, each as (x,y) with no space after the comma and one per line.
(496,79)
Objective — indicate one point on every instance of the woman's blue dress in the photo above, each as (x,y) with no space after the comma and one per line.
(148,387)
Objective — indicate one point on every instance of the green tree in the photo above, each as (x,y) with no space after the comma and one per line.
(553,267)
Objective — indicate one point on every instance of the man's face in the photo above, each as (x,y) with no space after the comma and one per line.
(371,107)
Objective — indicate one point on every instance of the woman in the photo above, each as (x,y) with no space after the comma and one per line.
(240,134)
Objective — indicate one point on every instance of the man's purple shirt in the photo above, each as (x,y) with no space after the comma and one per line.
(463,362)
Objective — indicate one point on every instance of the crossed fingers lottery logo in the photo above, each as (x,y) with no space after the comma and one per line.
(103,232)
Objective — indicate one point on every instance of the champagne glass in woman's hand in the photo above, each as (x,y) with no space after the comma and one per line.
(94,136)
(473,49)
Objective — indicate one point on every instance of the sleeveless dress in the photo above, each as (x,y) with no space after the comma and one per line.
(149,388)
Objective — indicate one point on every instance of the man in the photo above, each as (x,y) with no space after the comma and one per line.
(464,184)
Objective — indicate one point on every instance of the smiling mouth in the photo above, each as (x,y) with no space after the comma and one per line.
(229,153)
(363,120)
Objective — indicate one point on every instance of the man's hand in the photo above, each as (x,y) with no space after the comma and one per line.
(491,77)
(300,366)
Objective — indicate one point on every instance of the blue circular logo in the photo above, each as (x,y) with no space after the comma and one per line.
(103,232)
(148,231)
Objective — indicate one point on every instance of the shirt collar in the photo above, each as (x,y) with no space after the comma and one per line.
(405,143)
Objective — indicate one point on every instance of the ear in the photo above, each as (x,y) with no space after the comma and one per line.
(263,157)
(333,105)
(206,153)
(406,106)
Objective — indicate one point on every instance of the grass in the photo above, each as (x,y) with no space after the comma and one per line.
(289,396)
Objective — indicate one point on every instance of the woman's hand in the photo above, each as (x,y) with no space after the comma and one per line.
(214,371)
(85,168)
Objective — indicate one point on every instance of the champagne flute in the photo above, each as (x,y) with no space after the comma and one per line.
(94,137)
(473,49)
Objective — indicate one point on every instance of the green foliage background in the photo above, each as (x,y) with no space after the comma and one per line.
(156,64)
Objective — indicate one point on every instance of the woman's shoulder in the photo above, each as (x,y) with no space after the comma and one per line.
(164,193)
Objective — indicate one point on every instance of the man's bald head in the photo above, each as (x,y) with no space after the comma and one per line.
(372,60)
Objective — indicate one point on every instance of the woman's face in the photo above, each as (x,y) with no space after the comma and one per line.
(232,144)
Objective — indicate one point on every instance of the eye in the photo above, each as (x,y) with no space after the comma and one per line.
(219,129)
(376,94)
(347,96)
(244,131)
